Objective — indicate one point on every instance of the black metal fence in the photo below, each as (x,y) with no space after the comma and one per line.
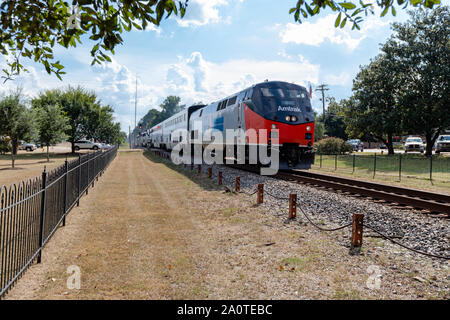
(392,167)
(31,211)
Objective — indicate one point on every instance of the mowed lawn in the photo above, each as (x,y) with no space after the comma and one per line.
(412,170)
(31,164)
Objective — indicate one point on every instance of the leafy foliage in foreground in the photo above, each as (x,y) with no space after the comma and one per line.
(33,28)
(353,11)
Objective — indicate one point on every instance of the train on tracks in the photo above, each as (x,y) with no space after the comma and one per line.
(274,110)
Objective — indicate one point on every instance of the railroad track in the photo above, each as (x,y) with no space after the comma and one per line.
(433,202)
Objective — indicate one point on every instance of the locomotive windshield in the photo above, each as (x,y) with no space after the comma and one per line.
(283,102)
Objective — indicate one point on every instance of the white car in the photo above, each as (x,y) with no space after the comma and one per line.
(86,144)
(414,144)
(27,146)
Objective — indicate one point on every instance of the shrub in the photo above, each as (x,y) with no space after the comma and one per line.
(333,146)
(4,146)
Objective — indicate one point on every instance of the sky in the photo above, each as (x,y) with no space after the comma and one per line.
(220,47)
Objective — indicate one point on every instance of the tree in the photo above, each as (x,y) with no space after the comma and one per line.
(374,109)
(51,125)
(421,49)
(353,11)
(170,106)
(87,117)
(16,121)
(32,28)
(334,119)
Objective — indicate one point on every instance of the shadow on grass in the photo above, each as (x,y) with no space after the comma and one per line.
(201,180)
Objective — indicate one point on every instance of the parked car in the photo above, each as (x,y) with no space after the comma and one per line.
(27,146)
(86,144)
(356,144)
(414,144)
(383,146)
(106,146)
(443,144)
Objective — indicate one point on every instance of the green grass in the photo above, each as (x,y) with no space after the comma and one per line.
(415,168)
(37,156)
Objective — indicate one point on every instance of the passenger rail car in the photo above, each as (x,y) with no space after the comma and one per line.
(268,105)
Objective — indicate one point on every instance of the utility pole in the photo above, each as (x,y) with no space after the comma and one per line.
(135,111)
(129,136)
(323,87)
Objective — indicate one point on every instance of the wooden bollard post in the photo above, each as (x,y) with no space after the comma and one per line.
(209,173)
(220,178)
(238,184)
(199,169)
(292,206)
(260,198)
(357,233)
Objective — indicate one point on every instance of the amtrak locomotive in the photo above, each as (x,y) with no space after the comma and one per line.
(271,105)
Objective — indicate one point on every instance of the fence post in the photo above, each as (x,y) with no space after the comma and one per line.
(354,160)
(87,173)
(238,184)
(292,206)
(79,180)
(199,169)
(431,167)
(209,173)
(357,233)
(260,198)
(66,166)
(374,164)
(42,217)
(93,175)
(335,162)
(220,178)
(400,167)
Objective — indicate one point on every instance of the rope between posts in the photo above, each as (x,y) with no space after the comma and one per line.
(323,229)
(276,197)
(404,246)
(249,193)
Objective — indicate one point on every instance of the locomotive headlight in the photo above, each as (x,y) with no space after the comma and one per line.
(308,128)
(288,118)
(294,118)
(274,126)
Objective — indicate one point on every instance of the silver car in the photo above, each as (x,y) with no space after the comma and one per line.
(443,144)
(86,144)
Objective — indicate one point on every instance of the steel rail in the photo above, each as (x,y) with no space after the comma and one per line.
(375,190)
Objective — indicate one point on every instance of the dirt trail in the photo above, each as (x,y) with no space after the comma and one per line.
(132,241)
(147,231)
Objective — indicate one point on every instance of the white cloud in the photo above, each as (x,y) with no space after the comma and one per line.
(202,12)
(315,33)
(193,78)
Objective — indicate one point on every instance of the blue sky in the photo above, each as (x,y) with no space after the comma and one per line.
(218,48)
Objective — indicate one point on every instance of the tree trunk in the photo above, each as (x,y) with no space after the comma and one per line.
(48,156)
(13,152)
(389,144)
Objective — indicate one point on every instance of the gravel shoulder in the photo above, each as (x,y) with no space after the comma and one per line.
(151,230)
